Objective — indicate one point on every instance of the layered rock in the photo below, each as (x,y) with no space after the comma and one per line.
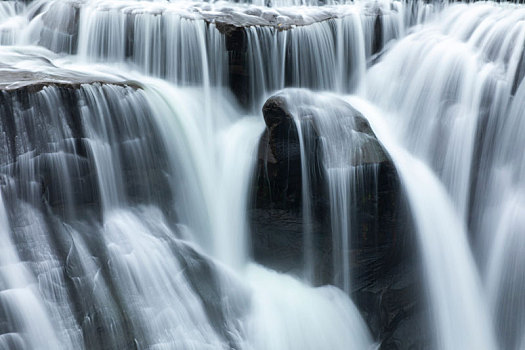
(76,162)
(52,125)
(272,49)
(250,49)
(385,276)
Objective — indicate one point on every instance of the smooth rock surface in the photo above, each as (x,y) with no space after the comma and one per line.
(386,279)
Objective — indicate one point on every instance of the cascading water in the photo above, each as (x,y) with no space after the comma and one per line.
(502,227)
(108,219)
(454,99)
(453,286)
(140,187)
(191,43)
(20,302)
(469,108)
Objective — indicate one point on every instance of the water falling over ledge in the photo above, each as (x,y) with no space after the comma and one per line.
(99,222)
(142,191)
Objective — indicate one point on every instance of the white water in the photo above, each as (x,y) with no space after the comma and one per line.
(503,227)
(217,154)
(131,264)
(173,165)
(459,309)
(19,298)
(471,53)
(281,320)
(331,318)
(456,103)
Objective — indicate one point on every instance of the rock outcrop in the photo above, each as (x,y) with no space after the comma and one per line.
(385,276)
(52,127)
(73,147)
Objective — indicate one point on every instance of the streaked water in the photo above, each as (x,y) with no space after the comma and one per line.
(102,194)
(455,96)
(459,311)
(129,134)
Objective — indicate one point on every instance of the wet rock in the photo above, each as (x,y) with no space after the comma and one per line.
(26,82)
(47,140)
(60,26)
(377,43)
(238,71)
(277,219)
(222,302)
(384,264)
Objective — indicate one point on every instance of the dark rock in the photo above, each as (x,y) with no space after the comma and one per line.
(48,179)
(386,281)
(377,43)
(60,28)
(235,37)
(238,70)
(45,147)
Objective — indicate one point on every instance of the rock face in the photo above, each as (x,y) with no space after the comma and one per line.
(385,278)
(277,219)
(59,26)
(62,138)
(53,126)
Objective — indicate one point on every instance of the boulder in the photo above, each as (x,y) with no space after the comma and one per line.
(386,280)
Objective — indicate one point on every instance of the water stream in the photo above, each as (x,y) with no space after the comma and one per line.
(132,147)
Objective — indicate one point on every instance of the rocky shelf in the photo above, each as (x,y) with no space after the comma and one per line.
(38,71)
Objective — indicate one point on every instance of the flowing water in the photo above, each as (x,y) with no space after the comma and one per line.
(470,100)
(130,132)
(460,312)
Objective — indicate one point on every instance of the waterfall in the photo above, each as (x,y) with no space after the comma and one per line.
(96,216)
(205,145)
(376,202)
(458,308)
(20,301)
(255,50)
(481,64)
(469,107)
(503,224)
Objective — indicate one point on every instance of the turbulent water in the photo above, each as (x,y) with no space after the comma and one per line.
(132,148)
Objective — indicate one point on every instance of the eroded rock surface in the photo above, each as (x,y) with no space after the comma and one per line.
(385,275)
